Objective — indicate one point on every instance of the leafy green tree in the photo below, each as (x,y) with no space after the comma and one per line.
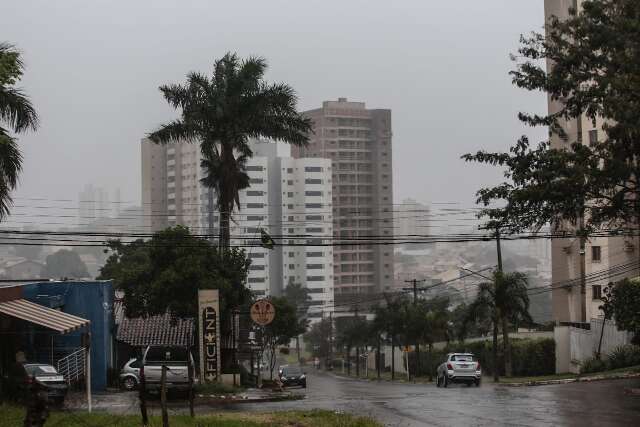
(622,301)
(318,339)
(285,326)
(221,113)
(164,274)
(594,59)
(18,113)
(298,295)
(351,332)
(64,264)
(505,301)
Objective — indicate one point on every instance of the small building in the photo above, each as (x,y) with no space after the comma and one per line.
(135,334)
(45,322)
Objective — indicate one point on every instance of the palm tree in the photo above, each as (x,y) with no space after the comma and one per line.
(15,110)
(221,113)
(504,300)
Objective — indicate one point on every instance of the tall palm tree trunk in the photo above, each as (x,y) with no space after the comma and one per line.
(506,347)
(496,375)
(225,222)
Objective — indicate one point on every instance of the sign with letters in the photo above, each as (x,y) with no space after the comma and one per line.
(209,334)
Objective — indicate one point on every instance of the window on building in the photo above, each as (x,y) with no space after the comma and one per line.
(314,254)
(255,193)
(290,182)
(255,255)
(256,280)
(313,230)
(289,170)
(313,205)
(289,194)
(255,217)
(313,169)
(255,205)
(290,218)
(291,231)
(313,193)
(314,217)
(596,254)
(315,266)
(315,278)
(254,168)
(292,266)
(312,181)
(596,291)
(593,137)
(292,254)
(256,180)
(315,290)
(256,267)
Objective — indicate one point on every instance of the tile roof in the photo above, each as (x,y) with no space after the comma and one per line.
(153,330)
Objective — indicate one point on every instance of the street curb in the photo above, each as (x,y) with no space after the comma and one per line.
(573,380)
(216,400)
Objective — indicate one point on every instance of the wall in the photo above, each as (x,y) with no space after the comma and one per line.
(575,345)
(92,301)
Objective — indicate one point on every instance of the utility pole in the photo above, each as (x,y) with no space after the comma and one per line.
(357,348)
(495,315)
(415,282)
(331,339)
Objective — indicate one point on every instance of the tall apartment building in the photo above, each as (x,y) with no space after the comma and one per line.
(601,253)
(287,197)
(412,218)
(358,142)
(93,204)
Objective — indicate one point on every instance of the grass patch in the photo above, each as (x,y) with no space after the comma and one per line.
(217,388)
(11,416)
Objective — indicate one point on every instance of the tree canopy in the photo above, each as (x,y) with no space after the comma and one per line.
(221,113)
(622,301)
(17,112)
(163,274)
(591,77)
(64,264)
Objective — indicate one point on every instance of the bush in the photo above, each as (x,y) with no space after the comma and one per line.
(624,356)
(592,365)
(529,357)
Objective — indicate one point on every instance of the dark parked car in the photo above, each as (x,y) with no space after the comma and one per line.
(292,376)
(21,376)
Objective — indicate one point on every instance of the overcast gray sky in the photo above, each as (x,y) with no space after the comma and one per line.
(93,68)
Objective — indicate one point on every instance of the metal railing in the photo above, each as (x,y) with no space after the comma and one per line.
(72,366)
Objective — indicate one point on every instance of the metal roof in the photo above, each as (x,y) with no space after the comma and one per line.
(43,316)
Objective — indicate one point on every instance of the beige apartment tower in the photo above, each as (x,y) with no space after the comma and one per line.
(358,142)
(579,299)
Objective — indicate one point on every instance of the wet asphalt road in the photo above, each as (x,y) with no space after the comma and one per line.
(601,403)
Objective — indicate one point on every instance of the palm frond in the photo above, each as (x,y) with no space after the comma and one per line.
(175,131)
(10,167)
(16,109)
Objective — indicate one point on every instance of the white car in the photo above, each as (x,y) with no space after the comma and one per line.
(459,368)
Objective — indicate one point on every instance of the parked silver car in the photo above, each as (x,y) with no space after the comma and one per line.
(177,360)
(130,374)
(459,368)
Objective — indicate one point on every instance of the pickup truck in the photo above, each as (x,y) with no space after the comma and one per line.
(177,361)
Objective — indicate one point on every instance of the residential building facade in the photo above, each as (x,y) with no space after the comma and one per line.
(289,198)
(358,142)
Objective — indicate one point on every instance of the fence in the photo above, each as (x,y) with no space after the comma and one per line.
(72,366)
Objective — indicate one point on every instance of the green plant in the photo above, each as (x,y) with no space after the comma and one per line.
(623,357)
(592,365)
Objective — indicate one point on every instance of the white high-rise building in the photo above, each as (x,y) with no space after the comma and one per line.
(289,198)
(93,204)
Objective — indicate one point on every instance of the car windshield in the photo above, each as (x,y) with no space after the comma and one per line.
(462,358)
(292,371)
(40,370)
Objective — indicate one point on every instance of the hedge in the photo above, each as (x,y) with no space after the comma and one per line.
(529,357)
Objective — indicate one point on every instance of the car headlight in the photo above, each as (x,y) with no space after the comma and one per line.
(302,377)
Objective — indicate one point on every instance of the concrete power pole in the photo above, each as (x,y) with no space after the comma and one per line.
(415,282)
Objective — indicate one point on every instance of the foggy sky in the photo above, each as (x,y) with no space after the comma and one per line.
(93,68)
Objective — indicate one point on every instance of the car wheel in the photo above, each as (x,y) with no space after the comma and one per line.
(469,383)
(129,383)
(477,383)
